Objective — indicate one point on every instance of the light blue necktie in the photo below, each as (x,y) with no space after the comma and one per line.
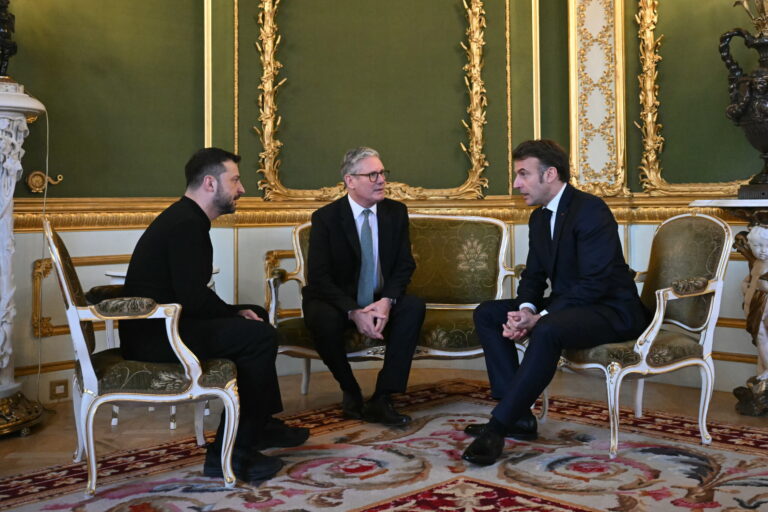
(365,283)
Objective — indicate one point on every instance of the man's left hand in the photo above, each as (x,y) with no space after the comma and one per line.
(250,315)
(525,319)
(381,309)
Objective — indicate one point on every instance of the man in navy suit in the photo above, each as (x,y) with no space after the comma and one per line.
(358,267)
(574,250)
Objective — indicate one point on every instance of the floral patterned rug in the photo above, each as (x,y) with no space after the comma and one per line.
(352,466)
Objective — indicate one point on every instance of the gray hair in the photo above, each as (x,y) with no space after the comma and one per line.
(353,156)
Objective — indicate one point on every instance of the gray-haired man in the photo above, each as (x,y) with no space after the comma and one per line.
(358,267)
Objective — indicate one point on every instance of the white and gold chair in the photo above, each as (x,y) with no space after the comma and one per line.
(683,286)
(106,378)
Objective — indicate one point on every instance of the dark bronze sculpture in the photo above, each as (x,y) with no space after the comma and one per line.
(749,94)
(7,45)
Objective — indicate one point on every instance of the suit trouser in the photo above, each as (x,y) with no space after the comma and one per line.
(401,334)
(250,344)
(519,384)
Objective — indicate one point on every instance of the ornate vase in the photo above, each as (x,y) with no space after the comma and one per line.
(749,103)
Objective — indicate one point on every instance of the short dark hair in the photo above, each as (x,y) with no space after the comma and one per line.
(206,161)
(549,153)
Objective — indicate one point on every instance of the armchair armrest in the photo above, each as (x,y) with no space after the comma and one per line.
(690,286)
(125,307)
(137,308)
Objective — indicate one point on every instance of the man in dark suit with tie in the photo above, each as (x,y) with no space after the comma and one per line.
(358,267)
(574,249)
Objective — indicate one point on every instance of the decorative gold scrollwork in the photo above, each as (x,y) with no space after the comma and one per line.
(269,162)
(38,180)
(653,143)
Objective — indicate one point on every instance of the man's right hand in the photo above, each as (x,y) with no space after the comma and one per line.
(366,321)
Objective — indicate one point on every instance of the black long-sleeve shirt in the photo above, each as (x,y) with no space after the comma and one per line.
(172,263)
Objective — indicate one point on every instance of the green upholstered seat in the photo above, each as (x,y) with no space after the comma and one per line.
(668,348)
(118,375)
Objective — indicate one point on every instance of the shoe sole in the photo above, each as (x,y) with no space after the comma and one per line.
(217,472)
(479,462)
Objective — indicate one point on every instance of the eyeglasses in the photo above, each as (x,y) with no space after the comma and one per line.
(374,176)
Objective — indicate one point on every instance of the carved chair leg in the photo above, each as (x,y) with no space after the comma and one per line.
(707,371)
(639,389)
(305,374)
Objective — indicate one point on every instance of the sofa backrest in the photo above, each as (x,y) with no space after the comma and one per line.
(460,260)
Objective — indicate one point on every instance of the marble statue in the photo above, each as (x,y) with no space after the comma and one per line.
(13,130)
(753,398)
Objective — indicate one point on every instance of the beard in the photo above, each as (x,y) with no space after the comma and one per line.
(224,204)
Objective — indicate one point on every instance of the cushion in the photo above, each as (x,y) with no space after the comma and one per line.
(118,375)
(669,347)
(443,329)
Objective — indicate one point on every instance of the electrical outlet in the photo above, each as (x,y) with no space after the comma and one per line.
(59,390)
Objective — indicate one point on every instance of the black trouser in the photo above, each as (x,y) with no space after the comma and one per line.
(250,344)
(519,384)
(327,325)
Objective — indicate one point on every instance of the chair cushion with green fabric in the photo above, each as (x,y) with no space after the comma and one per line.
(451,330)
(117,375)
(668,347)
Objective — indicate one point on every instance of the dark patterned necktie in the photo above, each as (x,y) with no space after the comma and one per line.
(365,284)
(548,221)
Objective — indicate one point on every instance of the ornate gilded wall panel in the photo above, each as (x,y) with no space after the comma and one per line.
(596,67)
(269,119)
(653,142)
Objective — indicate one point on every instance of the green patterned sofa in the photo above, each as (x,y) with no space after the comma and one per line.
(460,262)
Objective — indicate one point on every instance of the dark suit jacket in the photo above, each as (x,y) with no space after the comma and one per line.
(584,263)
(333,263)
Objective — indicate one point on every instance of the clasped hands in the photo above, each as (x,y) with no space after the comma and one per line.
(519,324)
(371,319)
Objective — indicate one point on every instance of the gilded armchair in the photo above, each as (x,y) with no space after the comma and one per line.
(106,378)
(683,287)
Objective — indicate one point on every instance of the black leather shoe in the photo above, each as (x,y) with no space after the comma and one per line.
(485,450)
(248,467)
(380,410)
(352,406)
(276,434)
(524,429)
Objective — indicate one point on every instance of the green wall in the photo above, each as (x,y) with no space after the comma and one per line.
(382,74)
(122,81)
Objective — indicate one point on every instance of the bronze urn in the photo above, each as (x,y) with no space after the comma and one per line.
(749,94)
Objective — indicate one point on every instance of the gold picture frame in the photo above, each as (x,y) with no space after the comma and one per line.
(269,119)
(653,142)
